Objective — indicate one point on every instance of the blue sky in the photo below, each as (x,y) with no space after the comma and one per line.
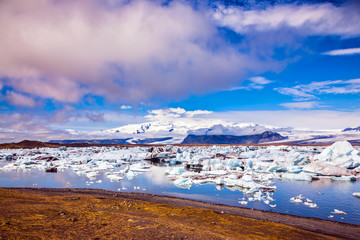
(89,65)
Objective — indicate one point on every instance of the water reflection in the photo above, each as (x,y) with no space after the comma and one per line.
(328,195)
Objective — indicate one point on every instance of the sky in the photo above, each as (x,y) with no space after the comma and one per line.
(85,65)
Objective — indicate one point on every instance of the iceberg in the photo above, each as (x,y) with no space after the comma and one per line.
(298,199)
(326,169)
(344,178)
(130,175)
(340,154)
(356,194)
(114,178)
(336,211)
(297,177)
(244,203)
(183,183)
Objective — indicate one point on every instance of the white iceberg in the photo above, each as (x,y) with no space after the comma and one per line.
(336,211)
(297,177)
(340,154)
(326,169)
(356,194)
(183,183)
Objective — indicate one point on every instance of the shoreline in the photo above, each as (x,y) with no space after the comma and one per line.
(326,227)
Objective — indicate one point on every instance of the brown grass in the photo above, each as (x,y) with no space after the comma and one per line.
(36,216)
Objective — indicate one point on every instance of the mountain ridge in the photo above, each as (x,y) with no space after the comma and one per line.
(266,136)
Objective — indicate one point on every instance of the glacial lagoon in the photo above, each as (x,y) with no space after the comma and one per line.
(221,180)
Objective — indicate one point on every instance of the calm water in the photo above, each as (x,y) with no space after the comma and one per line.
(327,195)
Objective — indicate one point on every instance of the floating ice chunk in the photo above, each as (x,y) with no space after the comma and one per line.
(326,169)
(266,202)
(91,175)
(294,169)
(243,203)
(331,216)
(298,199)
(114,178)
(247,178)
(272,205)
(336,211)
(183,183)
(344,178)
(175,171)
(269,198)
(313,205)
(216,172)
(140,167)
(341,154)
(219,181)
(298,177)
(130,175)
(356,194)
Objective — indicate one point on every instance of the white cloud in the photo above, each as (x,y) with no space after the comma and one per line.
(197,112)
(297,94)
(306,19)
(339,52)
(306,92)
(255,83)
(260,80)
(172,113)
(301,105)
(125,107)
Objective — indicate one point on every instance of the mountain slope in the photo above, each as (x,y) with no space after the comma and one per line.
(266,136)
(356,129)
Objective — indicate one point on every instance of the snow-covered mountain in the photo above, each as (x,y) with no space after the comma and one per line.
(175,124)
(179,128)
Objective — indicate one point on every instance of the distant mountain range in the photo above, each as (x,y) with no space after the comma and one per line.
(188,130)
(228,139)
(266,136)
(112,141)
(356,129)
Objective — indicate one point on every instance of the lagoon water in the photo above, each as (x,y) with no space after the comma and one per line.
(327,194)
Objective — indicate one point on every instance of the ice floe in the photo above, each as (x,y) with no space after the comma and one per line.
(336,211)
(340,154)
(356,194)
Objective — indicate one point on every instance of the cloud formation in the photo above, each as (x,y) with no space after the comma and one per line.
(301,105)
(18,99)
(306,92)
(339,52)
(169,114)
(134,51)
(130,52)
(306,19)
(253,83)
